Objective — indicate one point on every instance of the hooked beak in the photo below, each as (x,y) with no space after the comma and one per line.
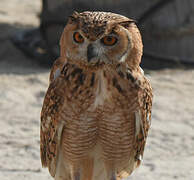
(91,53)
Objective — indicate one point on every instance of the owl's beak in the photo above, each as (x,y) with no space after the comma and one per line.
(91,52)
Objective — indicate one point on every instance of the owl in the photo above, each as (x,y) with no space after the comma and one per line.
(97,109)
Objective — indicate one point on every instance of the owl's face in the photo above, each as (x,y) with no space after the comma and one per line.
(97,38)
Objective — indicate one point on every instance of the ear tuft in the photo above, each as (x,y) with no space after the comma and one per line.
(74,17)
(127,23)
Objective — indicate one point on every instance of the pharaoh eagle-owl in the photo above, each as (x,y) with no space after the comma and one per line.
(97,109)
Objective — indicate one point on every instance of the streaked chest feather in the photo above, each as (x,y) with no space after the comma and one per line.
(90,91)
(96,108)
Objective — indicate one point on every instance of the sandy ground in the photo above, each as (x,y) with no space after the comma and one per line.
(169,153)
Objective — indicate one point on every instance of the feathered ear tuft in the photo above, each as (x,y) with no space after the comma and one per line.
(127,23)
(74,17)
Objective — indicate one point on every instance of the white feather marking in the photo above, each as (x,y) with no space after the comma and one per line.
(137,122)
(148,118)
(59,131)
(142,71)
(140,158)
(123,58)
(48,121)
(57,73)
(101,91)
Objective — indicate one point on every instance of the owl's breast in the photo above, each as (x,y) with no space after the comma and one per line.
(96,110)
(78,113)
(116,101)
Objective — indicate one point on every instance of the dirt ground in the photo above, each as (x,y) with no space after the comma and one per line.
(169,154)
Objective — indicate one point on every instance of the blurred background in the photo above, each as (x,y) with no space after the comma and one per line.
(29,38)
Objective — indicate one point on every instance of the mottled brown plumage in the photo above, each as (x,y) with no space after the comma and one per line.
(97,110)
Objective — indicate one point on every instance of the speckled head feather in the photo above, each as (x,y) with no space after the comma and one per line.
(94,24)
(93,28)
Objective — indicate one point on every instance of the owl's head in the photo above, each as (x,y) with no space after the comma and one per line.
(94,39)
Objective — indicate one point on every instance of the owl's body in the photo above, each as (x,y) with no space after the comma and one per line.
(96,113)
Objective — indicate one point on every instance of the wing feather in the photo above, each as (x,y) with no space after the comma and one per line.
(143,112)
(51,126)
(144,116)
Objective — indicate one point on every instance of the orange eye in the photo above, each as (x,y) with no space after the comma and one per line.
(78,37)
(109,40)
